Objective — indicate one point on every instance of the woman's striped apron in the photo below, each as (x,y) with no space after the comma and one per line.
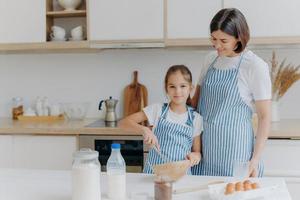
(227,124)
(175,139)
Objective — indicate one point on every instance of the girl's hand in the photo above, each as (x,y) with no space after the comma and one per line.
(150,138)
(194,158)
(253,168)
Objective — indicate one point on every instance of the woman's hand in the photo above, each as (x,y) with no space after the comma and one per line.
(150,138)
(253,168)
(194,158)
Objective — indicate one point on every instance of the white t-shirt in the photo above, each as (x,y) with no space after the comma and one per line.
(153,112)
(254,81)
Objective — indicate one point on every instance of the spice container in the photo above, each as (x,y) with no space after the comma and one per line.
(86,175)
(17,107)
(162,190)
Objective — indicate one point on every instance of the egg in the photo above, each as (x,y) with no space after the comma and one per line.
(247,186)
(239,188)
(254,185)
(229,188)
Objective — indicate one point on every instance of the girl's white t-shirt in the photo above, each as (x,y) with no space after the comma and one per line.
(254,81)
(153,112)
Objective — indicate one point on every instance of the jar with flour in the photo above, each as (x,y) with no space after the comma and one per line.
(86,175)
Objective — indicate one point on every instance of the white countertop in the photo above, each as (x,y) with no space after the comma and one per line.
(56,185)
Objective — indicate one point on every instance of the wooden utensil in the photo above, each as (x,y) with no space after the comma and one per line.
(196,188)
(135,97)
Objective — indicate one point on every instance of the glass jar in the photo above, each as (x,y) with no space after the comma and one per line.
(17,107)
(86,175)
(162,190)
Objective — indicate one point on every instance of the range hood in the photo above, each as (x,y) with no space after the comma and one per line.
(126,44)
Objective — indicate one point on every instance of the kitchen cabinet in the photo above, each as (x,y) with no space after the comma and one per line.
(22,21)
(43,152)
(190,19)
(281,158)
(5,151)
(37,152)
(129,20)
(270,18)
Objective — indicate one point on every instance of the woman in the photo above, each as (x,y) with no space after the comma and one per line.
(233,83)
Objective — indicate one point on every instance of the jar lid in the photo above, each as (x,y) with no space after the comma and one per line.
(86,153)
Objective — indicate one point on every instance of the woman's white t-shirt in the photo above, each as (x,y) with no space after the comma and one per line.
(153,112)
(254,81)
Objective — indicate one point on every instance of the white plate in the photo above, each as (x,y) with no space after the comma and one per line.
(58,40)
(75,39)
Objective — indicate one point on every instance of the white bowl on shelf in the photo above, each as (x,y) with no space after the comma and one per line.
(69,5)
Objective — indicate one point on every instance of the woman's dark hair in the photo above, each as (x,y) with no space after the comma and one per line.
(232,22)
(186,73)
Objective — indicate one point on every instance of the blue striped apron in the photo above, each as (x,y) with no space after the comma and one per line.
(227,124)
(175,139)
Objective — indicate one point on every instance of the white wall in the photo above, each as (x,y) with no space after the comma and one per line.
(93,77)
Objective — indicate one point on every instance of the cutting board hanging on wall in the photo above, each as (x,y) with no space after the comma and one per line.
(135,96)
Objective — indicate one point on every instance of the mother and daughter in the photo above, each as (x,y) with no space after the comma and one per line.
(233,83)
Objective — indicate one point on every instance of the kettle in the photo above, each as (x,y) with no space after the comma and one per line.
(110,115)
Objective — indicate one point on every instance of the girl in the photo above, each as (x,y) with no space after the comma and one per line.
(176,126)
(233,82)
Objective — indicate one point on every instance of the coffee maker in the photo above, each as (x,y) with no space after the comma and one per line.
(110,115)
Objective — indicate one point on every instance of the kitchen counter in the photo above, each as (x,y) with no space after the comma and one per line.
(56,185)
(285,129)
(89,126)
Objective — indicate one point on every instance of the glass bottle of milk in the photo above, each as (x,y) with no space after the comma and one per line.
(86,175)
(116,174)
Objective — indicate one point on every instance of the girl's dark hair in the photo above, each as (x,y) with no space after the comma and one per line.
(232,22)
(187,75)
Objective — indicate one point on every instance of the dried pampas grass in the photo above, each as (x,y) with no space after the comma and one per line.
(283,77)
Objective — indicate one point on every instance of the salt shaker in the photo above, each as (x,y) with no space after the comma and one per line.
(39,106)
(86,175)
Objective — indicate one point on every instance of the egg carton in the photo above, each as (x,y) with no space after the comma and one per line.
(217,192)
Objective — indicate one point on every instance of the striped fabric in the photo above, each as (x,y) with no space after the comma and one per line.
(175,140)
(227,127)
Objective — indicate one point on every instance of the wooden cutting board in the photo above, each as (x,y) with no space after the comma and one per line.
(135,96)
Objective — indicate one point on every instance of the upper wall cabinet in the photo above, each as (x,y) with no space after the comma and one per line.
(22,21)
(188,21)
(269,18)
(126,19)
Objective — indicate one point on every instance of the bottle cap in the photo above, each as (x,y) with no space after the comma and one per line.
(115,146)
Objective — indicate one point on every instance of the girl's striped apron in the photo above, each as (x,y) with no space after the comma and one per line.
(175,139)
(227,124)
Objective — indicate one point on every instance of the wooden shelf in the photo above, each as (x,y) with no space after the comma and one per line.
(61,14)
(193,42)
(48,47)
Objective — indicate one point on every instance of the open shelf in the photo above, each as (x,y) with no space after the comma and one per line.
(66,19)
(73,13)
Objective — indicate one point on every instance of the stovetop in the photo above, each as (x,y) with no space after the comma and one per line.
(101,123)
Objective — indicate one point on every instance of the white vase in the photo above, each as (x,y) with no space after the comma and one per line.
(275,111)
